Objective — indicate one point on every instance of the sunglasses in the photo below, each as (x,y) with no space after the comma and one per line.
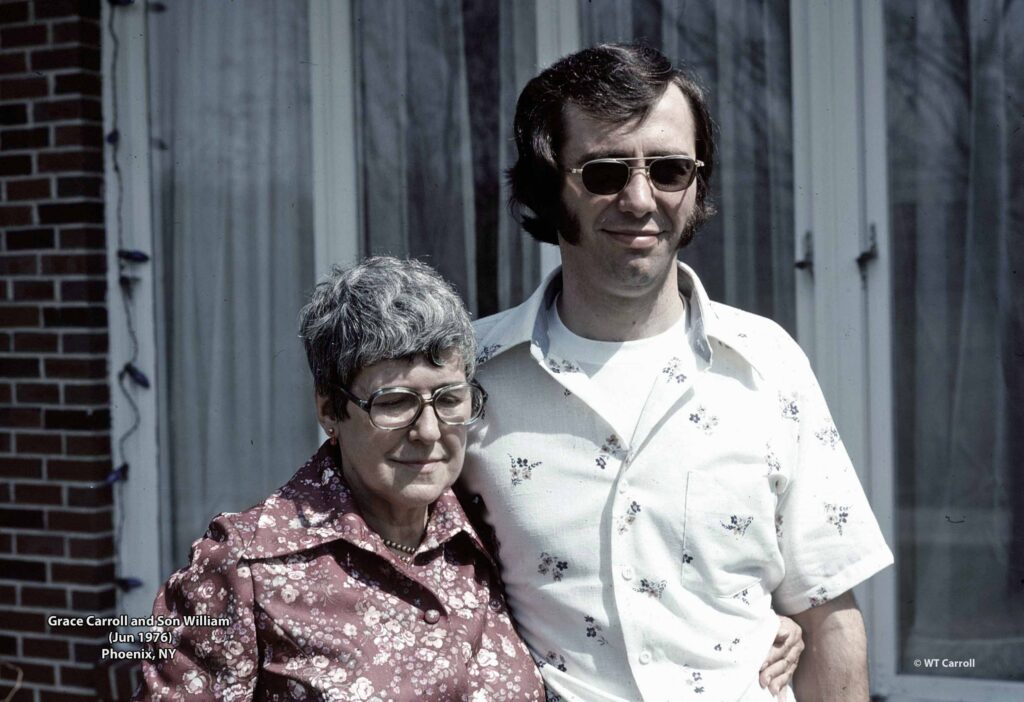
(608,176)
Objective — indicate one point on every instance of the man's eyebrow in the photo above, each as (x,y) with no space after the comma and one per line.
(608,153)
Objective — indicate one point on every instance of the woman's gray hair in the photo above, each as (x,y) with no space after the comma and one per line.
(381,309)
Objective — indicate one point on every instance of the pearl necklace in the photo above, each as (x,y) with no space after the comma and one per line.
(411,550)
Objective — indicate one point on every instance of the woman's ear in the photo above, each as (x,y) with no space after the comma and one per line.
(325,415)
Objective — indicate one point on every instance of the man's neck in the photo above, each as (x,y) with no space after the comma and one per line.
(606,317)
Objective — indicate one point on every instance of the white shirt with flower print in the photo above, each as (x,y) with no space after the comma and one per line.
(651,566)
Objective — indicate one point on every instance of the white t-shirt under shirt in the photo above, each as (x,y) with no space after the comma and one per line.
(622,372)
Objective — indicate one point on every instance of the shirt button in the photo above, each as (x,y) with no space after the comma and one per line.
(495,605)
(623,486)
(431,616)
(645,657)
(627,573)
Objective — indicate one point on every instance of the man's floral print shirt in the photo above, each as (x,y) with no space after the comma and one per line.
(651,566)
(308,604)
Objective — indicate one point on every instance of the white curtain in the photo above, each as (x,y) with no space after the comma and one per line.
(955,99)
(437,82)
(740,52)
(233,217)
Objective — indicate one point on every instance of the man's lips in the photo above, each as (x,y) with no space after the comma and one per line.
(634,238)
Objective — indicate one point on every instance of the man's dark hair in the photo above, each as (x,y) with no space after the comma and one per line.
(614,83)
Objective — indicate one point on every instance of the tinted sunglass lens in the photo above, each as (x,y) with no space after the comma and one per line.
(605,177)
(673,174)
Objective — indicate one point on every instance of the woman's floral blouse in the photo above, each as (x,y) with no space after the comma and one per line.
(302,601)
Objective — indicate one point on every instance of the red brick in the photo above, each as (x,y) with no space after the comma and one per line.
(76,368)
(16,569)
(70,57)
(5,438)
(21,519)
(26,290)
(9,647)
(75,264)
(93,601)
(13,114)
(62,8)
(81,522)
(80,186)
(67,109)
(89,445)
(15,216)
(81,420)
(26,35)
(86,652)
(40,343)
(75,316)
(100,547)
(20,417)
(78,83)
(34,189)
(34,138)
(19,367)
(15,165)
(38,238)
(15,88)
(19,316)
(21,468)
(13,12)
(97,394)
(38,393)
(63,696)
(72,213)
(85,343)
(79,32)
(77,677)
(5,337)
(83,574)
(38,443)
(100,496)
(5,495)
(31,673)
(83,290)
(44,597)
(84,471)
(83,238)
(69,161)
(13,62)
(80,135)
(40,544)
(19,265)
(46,648)
(8,595)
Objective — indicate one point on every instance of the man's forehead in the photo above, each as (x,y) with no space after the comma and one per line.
(667,128)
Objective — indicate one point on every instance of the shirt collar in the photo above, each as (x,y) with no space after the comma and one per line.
(316,507)
(527,324)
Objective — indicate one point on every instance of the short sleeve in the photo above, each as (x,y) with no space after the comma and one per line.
(211,630)
(828,535)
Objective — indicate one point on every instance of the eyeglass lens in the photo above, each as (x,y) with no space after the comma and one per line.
(399,408)
(670,174)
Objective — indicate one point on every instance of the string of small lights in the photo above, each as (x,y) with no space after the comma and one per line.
(127,259)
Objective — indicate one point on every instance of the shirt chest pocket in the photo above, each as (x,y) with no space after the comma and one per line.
(729,540)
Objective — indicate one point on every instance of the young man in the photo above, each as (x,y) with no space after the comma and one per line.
(661,471)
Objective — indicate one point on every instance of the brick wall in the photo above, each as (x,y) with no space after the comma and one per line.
(56,542)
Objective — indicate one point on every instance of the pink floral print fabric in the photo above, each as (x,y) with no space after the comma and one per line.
(305,602)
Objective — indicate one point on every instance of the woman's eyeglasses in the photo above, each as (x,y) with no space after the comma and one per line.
(608,176)
(398,408)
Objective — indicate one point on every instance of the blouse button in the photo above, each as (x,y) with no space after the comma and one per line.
(627,573)
(495,605)
(645,657)
(431,616)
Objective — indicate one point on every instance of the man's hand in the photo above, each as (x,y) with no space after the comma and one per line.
(779,666)
(835,665)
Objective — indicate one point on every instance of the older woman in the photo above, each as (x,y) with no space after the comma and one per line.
(361,578)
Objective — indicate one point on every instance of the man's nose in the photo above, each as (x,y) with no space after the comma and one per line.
(637,198)
(427,426)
